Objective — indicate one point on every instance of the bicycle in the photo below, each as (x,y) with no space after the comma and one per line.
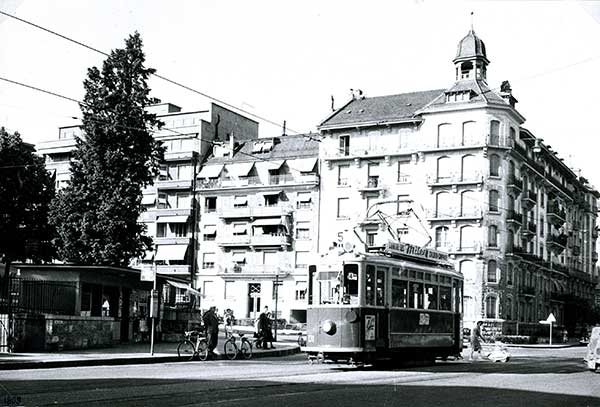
(193,344)
(231,349)
(6,337)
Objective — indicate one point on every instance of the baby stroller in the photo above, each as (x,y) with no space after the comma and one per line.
(496,352)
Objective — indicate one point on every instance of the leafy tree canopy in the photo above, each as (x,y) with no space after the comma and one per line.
(26,190)
(96,215)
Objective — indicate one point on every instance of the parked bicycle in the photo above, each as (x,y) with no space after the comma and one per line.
(6,339)
(231,348)
(193,344)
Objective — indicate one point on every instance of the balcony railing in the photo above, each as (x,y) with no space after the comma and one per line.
(466,248)
(556,215)
(173,184)
(512,216)
(527,291)
(557,243)
(255,211)
(274,239)
(455,213)
(257,270)
(529,199)
(515,184)
(454,178)
(594,257)
(372,184)
(283,179)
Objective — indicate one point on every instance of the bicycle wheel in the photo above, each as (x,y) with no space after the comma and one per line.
(202,349)
(246,349)
(230,349)
(185,350)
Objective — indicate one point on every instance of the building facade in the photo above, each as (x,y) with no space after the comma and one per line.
(259,203)
(454,169)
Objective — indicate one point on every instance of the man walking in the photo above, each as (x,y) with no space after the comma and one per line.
(211,324)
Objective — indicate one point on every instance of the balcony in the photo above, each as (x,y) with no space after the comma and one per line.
(514,185)
(557,243)
(267,240)
(172,240)
(454,214)
(576,250)
(514,218)
(281,179)
(530,231)
(254,270)
(594,257)
(371,185)
(173,184)
(496,141)
(255,212)
(556,215)
(513,250)
(527,291)
(528,199)
(454,179)
(467,248)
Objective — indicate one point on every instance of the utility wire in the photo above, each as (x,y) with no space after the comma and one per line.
(176,83)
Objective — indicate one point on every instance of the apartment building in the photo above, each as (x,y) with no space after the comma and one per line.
(456,170)
(258,227)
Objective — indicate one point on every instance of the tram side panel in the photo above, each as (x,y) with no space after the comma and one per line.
(421,329)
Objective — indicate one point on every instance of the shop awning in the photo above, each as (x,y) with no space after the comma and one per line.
(303,164)
(304,197)
(148,199)
(267,221)
(240,228)
(239,257)
(171,252)
(239,169)
(240,200)
(172,219)
(272,193)
(184,287)
(210,229)
(211,171)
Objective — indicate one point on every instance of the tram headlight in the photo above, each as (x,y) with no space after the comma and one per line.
(329,327)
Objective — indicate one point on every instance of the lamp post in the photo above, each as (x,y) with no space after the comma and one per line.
(277,284)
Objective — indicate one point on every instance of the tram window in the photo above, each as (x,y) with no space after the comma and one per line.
(457,290)
(399,293)
(445,298)
(427,277)
(370,286)
(380,287)
(404,273)
(312,271)
(329,287)
(416,295)
(395,272)
(419,275)
(434,278)
(350,294)
(412,274)
(431,296)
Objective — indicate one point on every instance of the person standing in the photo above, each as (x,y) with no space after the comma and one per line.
(211,324)
(476,339)
(266,335)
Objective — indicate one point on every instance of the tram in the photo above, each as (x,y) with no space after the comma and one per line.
(398,302)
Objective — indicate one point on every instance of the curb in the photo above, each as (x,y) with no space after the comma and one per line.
(48,364)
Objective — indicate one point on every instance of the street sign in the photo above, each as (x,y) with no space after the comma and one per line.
(147,274)
(551,318)
(153,304)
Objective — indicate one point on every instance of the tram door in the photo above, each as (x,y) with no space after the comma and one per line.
(254,290)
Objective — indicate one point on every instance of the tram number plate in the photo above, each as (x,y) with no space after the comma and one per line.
(423,319)
(369,327)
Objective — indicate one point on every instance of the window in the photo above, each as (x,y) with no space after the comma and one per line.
(445,138)
(510,274)
(403,171)
(494,132)
(492,271)
(210,232)
(493,236)
(469,204)
(431,297)
(240,201)
(181,171)
(272,200)
(161,230)
(240,229)
(380,286)
(469,136)
(399,293)
(542,223)
(445,298)
(468,270)
(469,168)
(229,293)
(508,311)
(494,165)
(441,237)
(370,285)
(512,136)
(468,238)
(442,206)
(343,208)
(345,145)
(270,257)
(404,205)
(373,175)
(415,295)
(350,290)
(208,260)
(300,290)
(302,259)
(371,205)
(304,200)
(444,170)
(343,174)
(179,229)
(239,258)
(493,200)
(183,201)
(208,289)
(303,230)
(490,307)
(210,204)
(371,236)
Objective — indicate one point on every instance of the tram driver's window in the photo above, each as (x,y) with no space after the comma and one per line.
(416,295)
(350,295)
(431,296)
(445,298)
(370,286)
(399,293)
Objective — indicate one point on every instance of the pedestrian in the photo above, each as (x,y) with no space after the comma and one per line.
(211,325)
(229,319)
(265,325)
(476,339)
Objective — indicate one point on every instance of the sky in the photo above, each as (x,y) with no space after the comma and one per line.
(284,60)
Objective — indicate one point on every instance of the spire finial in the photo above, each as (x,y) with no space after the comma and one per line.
(472,22)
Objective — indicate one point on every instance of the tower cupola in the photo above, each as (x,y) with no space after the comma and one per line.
(471,59)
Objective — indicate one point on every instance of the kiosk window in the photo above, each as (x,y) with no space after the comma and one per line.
(416,295)
(399,293)
(370,286)
(445,298)
(350,295)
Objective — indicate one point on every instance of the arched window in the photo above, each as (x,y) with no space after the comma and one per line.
(468,270)
(511,170)
(443,205)
(441,237)
(509,274)
(445,136)
(444,170)
(490,306)
(512,136)
(495,165)
(469,136)
(469,168)
(493,200)
(469,205)
(493,236)
(508,312)
(510,241)
(492,271)
(494,133)
(468,238)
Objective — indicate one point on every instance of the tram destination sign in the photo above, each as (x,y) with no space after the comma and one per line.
(405,249)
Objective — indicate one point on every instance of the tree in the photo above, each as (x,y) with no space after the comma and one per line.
(96,215)
(26,190)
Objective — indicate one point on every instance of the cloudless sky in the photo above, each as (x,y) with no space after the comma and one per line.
(283,60)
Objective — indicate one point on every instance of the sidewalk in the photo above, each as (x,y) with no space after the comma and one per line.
(124,354)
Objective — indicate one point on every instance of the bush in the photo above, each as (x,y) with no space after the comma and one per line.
(514,339)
